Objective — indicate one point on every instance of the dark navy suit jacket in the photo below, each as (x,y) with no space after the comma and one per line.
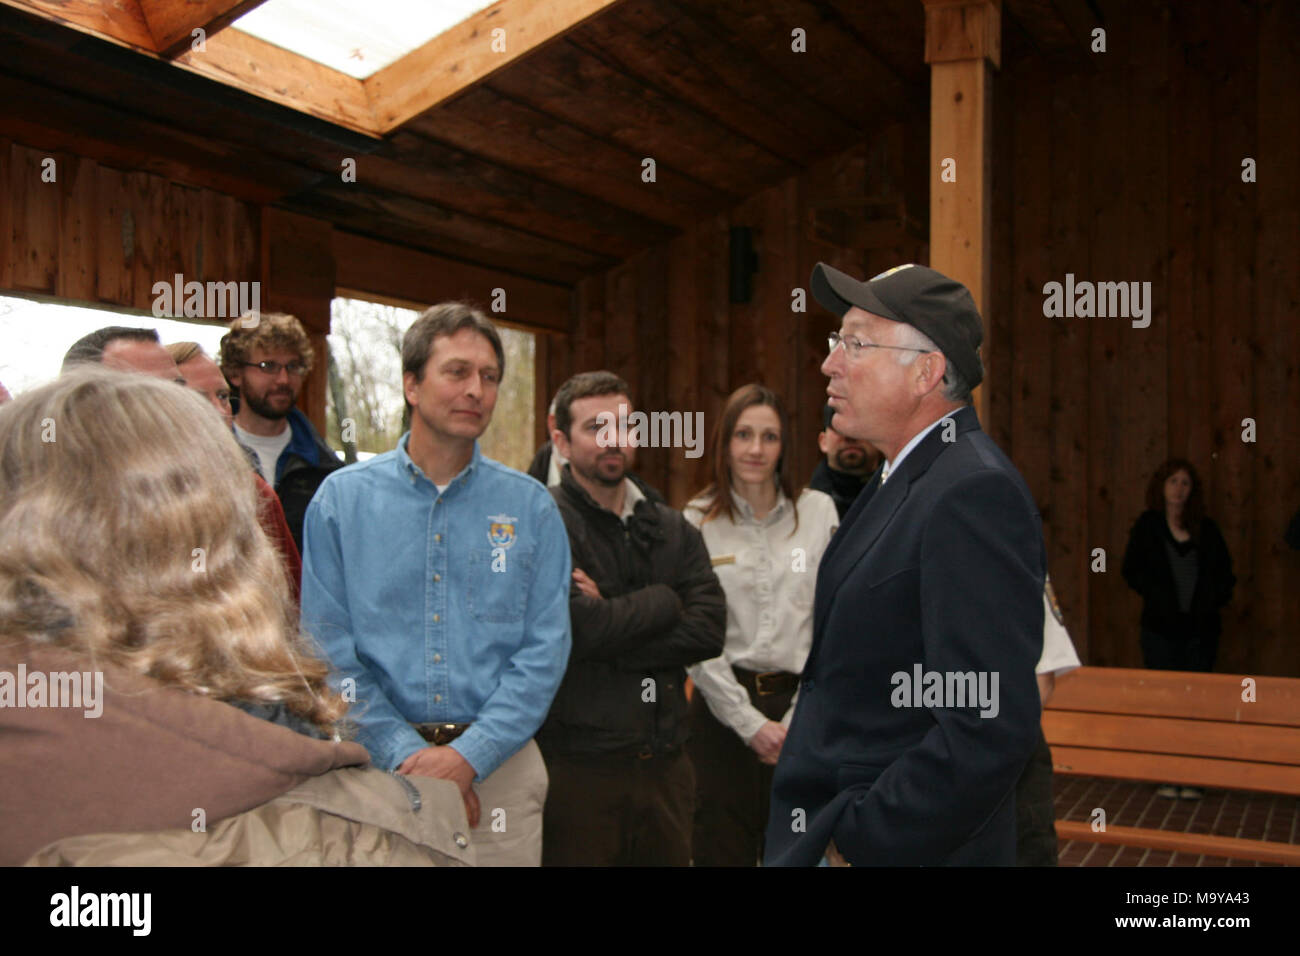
(941,566)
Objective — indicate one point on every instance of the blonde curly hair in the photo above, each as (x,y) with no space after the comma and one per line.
(129,531)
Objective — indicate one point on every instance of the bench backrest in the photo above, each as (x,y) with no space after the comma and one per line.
(1177,726)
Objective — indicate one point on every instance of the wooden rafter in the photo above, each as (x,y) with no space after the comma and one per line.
(466,54)
(242,60)
(121,21)
(172,22)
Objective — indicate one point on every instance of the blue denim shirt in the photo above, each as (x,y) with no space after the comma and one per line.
(443,608)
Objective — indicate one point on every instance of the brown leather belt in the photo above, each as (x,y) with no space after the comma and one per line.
(767,682)
(439,734)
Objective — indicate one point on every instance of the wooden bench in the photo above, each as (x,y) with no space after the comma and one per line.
(1186,728)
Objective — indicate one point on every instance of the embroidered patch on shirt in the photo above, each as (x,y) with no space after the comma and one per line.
(501,530)
(723,559)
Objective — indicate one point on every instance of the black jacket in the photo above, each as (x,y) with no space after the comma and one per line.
(661,609)
(1147,571)
(841,486)
(303,465)
(941,570)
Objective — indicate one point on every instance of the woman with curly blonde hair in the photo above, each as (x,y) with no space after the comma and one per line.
(131,555)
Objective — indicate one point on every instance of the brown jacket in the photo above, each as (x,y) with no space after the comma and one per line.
(126,786)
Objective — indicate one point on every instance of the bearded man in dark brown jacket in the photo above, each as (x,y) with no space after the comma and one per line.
(645,604)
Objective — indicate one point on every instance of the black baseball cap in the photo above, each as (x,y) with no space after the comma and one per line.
(940,307)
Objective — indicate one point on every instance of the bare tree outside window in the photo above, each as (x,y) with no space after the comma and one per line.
(365,385)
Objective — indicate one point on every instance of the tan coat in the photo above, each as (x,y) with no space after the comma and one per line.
(133,785)
(347,817)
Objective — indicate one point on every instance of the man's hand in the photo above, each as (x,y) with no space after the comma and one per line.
(767,742)
(443,763)
(585,584)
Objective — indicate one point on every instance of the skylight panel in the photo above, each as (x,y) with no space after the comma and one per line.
(356,37)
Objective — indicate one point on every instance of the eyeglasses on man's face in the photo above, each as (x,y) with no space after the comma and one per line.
(295,369)
(854,346)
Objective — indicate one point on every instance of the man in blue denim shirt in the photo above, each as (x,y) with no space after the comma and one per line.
(437,582)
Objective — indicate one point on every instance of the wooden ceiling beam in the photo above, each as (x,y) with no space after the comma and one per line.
(121,21)
(375,267)
(173,22)
(245,62)
(470,52)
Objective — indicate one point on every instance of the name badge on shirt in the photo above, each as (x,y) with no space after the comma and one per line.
(723,559)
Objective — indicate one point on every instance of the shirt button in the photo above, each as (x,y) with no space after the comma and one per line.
(461,841)
(437,537)
(437,577)
(437,698)
(437,658)
(435,619)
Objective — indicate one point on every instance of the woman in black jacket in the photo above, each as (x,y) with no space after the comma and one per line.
(1177,560)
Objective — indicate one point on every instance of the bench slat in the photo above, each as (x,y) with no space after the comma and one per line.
(1233,847)
(1193,771)
(1195,738)
(1118,690)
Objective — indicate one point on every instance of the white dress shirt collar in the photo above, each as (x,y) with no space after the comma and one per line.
(890,466)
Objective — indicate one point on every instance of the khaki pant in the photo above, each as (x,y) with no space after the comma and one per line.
(511,799)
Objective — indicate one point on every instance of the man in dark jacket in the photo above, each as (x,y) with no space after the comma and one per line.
(847,467)
(917,707)
(266,356)
(645,603)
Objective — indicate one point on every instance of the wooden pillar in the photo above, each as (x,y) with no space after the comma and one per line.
(963,42)
(297,272)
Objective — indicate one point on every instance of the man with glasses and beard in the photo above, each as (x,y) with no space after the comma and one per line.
(266,356)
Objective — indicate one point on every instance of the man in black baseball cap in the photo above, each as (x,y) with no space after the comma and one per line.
(918,706)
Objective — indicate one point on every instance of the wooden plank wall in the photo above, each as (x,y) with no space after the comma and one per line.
(663,319)
(1131,170)
(98,234)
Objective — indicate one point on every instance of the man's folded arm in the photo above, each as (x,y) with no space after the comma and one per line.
(981,591)
(701,631)
(606,628)
(325,615)
(513,712)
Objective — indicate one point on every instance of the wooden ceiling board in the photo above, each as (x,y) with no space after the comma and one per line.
(836,71)
(656,41)
(434,228)
(483,122)
(590,95)
(425,169)
(894,31)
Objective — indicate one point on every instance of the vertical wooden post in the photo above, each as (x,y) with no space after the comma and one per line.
(298,277)
(963,39)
